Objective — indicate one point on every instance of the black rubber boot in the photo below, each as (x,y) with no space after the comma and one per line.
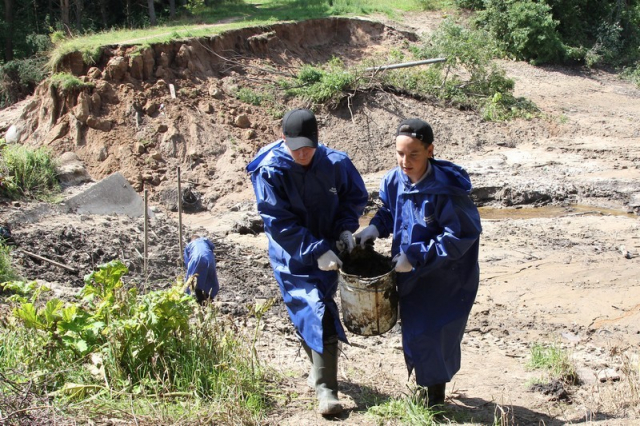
(324,377)
(436,394)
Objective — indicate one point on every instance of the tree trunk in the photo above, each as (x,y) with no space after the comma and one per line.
(172,9)
(152,13)
(64,15)
(79,11)
(103,13)
(8,37)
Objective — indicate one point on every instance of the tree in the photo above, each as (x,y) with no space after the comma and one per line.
(8,19)
(152,13)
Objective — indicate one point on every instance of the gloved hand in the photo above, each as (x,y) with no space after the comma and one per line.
(346,242)
(402,263)
(329,261)
(369,233)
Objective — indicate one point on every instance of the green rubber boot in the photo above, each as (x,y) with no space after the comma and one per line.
(323,377)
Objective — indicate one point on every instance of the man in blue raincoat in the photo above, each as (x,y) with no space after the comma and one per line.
(200,261)
(310,198)
(436,230)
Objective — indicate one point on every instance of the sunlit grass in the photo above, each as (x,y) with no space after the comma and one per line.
(214,20)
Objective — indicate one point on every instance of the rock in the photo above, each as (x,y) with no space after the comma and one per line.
(608,374)
(94,73)
(250,134)
(83,109)
(242,121)
(71,170)
(116,68)
(103,154)
(99,124)
(138,148)
(12,135)
(151,107)
(162,128)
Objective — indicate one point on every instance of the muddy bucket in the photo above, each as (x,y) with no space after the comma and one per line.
(368,294)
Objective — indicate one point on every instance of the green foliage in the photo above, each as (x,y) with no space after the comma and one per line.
(468,78)
(27,173)
(632,74)
(7,273)
(249,96)
(19,78)
(116,342)
(470,4)
(524,29)
(410,411)
(68,82)
(554,361)
(326,85)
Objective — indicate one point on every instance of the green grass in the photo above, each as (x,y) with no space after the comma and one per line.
(7,272)
(27,173)
(227,16)
(554,361)
(119,354)
(408,411)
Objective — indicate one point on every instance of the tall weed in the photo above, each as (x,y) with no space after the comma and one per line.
(115,346)
(26,172)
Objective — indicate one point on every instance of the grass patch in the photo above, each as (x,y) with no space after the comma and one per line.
(120,354)
(7,272)
(27,173)
(554,361)
(68,82)
(226,16)
(408,411)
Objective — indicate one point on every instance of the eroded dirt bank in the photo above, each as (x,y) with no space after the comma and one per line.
(568,276)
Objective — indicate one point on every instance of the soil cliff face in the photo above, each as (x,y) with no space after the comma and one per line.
(148,110)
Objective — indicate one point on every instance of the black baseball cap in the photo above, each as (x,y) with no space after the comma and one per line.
(300,129)
(416,128)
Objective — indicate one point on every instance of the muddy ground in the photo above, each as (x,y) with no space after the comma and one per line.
(559,200)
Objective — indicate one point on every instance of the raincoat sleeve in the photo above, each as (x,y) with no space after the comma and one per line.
(383,219)
(460,223)
(280,223)
(353,198)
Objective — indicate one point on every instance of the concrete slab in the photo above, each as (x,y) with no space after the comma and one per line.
(112,195)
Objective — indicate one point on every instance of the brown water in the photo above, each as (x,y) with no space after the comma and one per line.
(491,213)
(494,213)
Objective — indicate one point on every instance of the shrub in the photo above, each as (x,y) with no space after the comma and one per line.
(322,85)
(27,173)
(523,29)
(19,78)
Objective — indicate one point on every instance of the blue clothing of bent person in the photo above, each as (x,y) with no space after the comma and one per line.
(310,198)
(199,258)
(435,228)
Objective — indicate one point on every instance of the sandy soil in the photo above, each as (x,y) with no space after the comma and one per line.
(559,256)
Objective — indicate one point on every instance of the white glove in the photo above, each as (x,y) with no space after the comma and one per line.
(368,233)
(329,261)
(346,242)
(402,263)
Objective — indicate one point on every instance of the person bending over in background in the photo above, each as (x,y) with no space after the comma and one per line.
(200,260)
(427,208)
(310,198)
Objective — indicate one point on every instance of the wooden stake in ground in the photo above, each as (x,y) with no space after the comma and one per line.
(146,234)
(180,213)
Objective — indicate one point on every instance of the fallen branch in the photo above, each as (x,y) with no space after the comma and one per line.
(53,262)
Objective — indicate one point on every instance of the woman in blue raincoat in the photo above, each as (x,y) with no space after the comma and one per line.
(310,198)
(436,229)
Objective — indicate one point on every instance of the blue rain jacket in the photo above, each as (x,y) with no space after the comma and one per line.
(304,211)
(200,259)
(438,226)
